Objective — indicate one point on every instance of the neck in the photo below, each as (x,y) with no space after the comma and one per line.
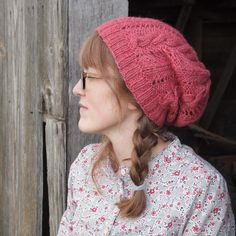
(123,148)
(122,141)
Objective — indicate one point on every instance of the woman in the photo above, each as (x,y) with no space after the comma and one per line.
(140,75)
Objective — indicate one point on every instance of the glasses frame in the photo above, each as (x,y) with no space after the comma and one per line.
(84,76)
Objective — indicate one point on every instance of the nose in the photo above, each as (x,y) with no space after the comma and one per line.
(78,90)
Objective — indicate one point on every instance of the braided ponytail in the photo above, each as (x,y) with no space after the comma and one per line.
(145,138)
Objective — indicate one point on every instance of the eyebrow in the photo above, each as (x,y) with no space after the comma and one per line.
(90,75)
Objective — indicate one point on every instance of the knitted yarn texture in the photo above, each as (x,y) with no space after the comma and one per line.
(159,67)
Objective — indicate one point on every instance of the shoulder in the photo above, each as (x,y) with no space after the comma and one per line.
(183,164)
(194,178)
(197,166)
(204,193)
(184,157)
(86,156)
(198,173)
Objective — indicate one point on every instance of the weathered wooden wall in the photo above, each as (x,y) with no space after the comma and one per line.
(53,63)
(21,123)
(39,138)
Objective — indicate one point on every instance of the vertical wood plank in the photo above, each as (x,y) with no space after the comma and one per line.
(53,61)
(56,165)
(21,132)
(84,17)
(3,140)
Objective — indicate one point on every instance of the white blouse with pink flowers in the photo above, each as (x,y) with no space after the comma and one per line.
(185,196)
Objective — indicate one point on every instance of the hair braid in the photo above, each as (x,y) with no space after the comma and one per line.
(145,138)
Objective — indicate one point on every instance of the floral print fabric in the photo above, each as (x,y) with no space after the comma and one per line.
(185,196)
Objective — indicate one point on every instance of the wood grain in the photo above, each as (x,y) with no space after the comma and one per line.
(39,47)
(21,124)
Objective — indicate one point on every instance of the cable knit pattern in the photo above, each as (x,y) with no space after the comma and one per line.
(159,67)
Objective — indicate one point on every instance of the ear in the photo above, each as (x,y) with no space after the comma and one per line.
(131,106)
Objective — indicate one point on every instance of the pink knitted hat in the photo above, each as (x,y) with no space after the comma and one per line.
(159,67)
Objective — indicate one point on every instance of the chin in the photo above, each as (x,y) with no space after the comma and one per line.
(86,128)
(93,129)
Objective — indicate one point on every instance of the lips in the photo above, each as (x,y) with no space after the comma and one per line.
(82,106)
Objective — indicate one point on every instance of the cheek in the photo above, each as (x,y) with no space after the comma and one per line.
(107,108)
(106,101)
(103,114)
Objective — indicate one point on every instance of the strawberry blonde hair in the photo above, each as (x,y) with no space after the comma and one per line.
(94,53)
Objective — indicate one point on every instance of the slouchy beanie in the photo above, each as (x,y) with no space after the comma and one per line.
(160,69)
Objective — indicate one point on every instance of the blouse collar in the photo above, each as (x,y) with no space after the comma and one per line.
(161,160)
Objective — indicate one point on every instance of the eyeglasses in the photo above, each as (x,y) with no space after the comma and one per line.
(85,75)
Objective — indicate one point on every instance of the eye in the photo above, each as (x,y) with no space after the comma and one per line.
(87,76)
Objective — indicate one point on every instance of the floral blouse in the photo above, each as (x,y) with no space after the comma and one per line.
(185,196)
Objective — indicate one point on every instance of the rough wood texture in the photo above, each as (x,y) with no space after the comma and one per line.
(35,88)
(53,62)
(56,165)
(33,42)
(84,16)
(21,124)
